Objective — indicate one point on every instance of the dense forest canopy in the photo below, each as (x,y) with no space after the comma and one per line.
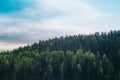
(79,57)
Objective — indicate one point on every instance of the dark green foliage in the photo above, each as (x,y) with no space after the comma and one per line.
(82,57)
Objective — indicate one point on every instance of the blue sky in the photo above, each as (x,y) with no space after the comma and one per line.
(27,21)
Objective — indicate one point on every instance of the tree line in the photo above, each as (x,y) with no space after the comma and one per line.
(79,57)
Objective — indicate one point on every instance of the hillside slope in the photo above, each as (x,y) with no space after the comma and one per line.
(82,57)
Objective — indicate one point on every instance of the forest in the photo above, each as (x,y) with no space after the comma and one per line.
(79,57)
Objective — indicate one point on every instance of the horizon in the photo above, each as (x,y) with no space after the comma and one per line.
(25,22)
(17,45)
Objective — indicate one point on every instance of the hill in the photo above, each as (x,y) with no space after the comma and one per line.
(79,57)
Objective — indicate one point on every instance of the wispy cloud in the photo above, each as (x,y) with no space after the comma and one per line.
(50,18)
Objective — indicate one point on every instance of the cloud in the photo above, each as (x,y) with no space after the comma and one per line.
(10,46)
(48,19)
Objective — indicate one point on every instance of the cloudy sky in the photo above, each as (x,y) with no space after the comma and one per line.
(26,21)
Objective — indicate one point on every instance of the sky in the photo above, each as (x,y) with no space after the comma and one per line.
(24,22)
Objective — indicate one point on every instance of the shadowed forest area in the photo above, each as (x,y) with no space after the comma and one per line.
(79,57)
